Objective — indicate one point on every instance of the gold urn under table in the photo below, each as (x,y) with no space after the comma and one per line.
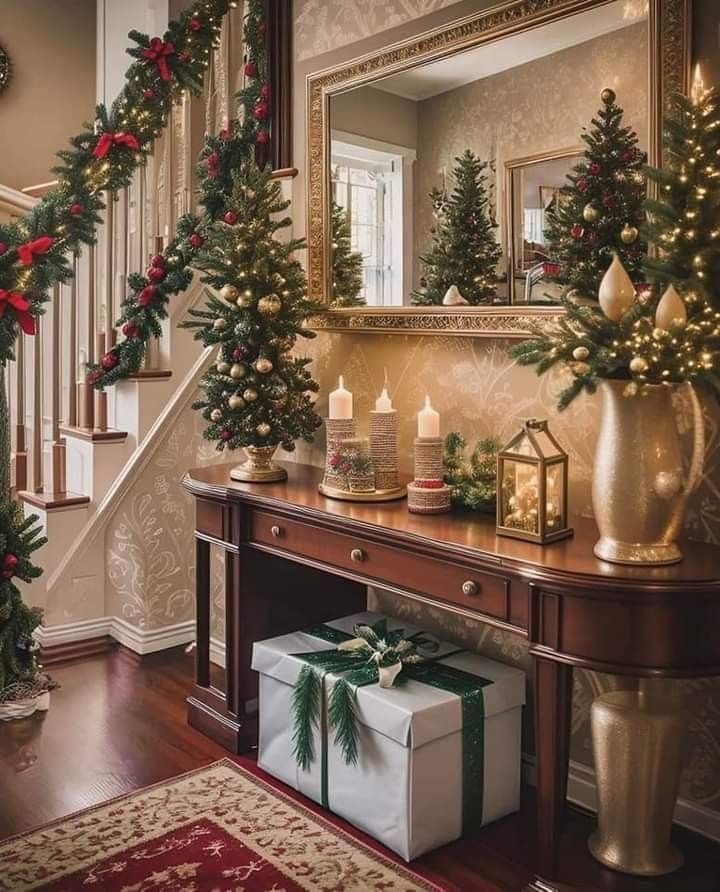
(638,743)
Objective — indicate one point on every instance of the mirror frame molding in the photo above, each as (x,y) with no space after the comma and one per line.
(669,22)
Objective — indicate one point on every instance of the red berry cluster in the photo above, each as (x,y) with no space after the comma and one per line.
(9,565)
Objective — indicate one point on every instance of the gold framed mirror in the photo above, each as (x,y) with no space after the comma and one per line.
(381,174)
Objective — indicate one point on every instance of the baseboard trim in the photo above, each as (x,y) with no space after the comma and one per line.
(582,791)
(217,652)
(70,637)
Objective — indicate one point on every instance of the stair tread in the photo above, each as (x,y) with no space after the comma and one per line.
(150,375)
(92,433)
(48,501)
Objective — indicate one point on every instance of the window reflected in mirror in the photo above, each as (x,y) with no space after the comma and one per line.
(519,104)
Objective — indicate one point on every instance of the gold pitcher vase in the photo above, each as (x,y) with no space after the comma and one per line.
(640,491)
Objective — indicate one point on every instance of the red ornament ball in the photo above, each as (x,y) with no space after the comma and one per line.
(263,137)
(251,69)
(157,260)
(577,231)
(265,91)
(595,168)
(146,295)
(184,56)
(261,111)
(262,27)
(225,434)
(196,240)
(130,330)
(156,274)
(239,353)
(148,94)
(76,209)
(109,361)
(3,248)
(195,24)
(608,201)
(581,184)
(10,561)
(629,155)
(230,218)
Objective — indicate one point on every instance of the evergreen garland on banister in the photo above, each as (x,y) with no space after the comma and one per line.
(169,272)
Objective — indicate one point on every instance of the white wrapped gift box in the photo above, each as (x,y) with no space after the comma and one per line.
(409,788)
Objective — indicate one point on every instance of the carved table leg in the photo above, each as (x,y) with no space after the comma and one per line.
(553,707)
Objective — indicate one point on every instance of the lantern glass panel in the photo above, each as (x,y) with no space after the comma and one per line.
(519,494)
(555,497)
(546,446)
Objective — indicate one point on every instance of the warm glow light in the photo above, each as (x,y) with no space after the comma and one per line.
(697,91)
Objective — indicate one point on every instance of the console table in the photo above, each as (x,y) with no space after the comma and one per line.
(294,558)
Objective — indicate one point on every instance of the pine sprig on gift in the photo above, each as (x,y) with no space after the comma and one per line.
(306,704)
(599,211)
(465,249)
(342,718)
(473,484)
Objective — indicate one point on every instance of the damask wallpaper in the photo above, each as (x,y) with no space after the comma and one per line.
(323,25)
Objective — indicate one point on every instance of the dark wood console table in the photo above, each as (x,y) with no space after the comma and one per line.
(294,558)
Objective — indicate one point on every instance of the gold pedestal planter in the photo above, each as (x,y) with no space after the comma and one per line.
(638,741)
(259,468)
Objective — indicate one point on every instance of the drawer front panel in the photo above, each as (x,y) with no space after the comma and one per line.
(474,589)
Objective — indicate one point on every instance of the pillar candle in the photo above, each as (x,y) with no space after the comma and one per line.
(341,402)
(428,421)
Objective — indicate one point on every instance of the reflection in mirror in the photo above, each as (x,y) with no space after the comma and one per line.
(517,103)
(532,189)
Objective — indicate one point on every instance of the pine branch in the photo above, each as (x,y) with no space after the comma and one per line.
(306,714)
(342,717)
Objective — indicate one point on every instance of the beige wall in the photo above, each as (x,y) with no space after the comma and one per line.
(52,47)
(376,115)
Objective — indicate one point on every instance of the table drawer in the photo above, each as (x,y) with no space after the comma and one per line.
(475,589)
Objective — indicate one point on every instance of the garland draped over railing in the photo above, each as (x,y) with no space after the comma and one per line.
(34,251)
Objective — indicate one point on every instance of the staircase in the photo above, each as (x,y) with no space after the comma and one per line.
(78,453)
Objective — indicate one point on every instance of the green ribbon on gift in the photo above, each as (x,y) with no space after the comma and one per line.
(310,709)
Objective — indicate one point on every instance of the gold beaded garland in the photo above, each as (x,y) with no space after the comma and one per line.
(229,293)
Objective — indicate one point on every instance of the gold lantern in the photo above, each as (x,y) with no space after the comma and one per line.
(532,484)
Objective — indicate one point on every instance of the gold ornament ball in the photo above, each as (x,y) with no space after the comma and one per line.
(629,234)
(250,395)
(237,371)
(263,366)
(223,368)
(638,365)
(581,353)
(580,369)
(229,293)
(608,96)
(244,301)
(270,305)
(220,324)
(236,402)
(216,415)
(263,429)
(590,213)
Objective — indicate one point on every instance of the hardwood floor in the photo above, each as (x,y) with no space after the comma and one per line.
(118,723)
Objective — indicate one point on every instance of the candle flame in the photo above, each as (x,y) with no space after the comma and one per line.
(698,86)
(427,401)
(341,383)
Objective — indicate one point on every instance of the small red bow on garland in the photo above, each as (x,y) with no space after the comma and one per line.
(27,252)
(157,52)
(21,306)
(108,140)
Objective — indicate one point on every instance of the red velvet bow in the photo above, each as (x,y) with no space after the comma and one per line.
(108,140)
(27,251)
(158,52)
(21,306)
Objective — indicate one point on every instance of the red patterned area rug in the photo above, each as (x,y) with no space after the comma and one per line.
(216,829)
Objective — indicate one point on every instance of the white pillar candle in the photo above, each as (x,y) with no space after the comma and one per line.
(383,403)
(341,402)
(428,421)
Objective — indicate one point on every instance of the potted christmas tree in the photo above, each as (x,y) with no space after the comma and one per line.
(257,395)
(465,251)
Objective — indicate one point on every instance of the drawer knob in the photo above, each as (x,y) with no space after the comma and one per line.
(275,531)
(357,555)
(470,588)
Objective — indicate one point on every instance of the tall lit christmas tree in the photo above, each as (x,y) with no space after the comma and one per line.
(256,394)
(684,218)
(600,209)
(465,250)
(347,274)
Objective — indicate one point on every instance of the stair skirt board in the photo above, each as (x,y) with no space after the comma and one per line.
(141,641)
